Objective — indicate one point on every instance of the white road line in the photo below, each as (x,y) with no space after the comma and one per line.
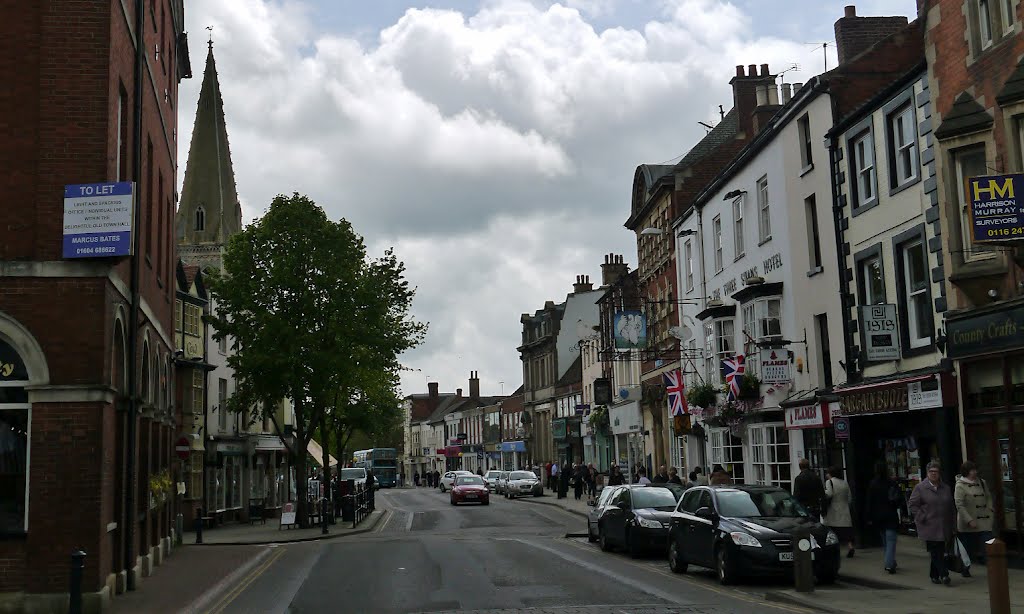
(408,525)
(387,516)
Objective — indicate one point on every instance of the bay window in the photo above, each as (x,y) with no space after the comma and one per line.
(769,452)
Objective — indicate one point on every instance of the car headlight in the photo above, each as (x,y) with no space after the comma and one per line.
(831,539)
(648,523)
(744,539)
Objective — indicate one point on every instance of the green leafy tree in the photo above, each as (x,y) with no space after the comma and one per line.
(309,314)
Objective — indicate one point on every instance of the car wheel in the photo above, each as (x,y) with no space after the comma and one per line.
(602,540)
(442,489)
(452,501)
(675,558)
(590,534)
(723,567)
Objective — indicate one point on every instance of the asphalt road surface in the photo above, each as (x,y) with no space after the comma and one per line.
(511,556)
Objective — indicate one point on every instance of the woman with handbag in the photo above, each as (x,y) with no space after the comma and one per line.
(837,514)
(974,513)
(932,506)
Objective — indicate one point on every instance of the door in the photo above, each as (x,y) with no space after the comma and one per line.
(997,446)
(681,528)
(615,517)
(702,537)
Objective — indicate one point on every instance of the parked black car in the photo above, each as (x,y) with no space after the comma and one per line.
(603,499)
(637,519)
(740,530)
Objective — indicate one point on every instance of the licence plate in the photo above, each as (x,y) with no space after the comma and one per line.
(786,556)
(472,496)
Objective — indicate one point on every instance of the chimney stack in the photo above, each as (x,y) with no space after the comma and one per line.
(855,35)
(474,385)
(433,398)
(787,93)
(582,284)
(458,392)
(747,95)
(613,269)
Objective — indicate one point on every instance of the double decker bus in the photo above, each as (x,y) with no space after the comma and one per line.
(382,461)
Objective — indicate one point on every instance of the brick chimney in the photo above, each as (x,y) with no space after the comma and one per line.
(433,397)
(458,392)
(474,384)
(744,94)
(854,35)
(767,96)
(582,284)
(613,269)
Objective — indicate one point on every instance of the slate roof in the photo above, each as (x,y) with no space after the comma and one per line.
(721,134)
(965,117)
(1013,89)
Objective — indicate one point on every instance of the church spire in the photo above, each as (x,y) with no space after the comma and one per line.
(209,213)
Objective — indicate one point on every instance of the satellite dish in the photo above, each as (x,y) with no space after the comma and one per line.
(683,333)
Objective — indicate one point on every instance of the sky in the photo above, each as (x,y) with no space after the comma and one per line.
(491,143)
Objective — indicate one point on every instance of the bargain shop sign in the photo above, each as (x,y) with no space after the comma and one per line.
(98,219)
(996,210)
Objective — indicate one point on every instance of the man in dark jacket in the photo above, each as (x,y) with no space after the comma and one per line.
(661,477)
(885,501)
(808,489)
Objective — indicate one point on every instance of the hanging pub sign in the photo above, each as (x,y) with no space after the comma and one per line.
(996,213)
(775,367)
(881,340)
(630,330)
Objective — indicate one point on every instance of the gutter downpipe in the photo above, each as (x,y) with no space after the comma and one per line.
(133,326)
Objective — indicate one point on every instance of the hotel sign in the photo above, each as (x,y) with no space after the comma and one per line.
(996,213)
(982,334)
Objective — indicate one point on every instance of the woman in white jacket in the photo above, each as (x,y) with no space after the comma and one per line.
(837,515)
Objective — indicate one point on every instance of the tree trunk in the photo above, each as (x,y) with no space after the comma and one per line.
(300,468)
(326,443)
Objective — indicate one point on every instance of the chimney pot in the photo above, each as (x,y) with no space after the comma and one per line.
(773,94)
(762,95)
(752,70)
(458,392)
(850,10)
(796,87)
(764,70)
(787,92)
(739,70)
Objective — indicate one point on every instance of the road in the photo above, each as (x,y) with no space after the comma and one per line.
(511,556)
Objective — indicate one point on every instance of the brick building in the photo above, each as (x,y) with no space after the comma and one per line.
(71,116)
(976,84)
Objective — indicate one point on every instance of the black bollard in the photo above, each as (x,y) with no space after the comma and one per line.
(803,566)
(199,525)
(323,516)
(77,566)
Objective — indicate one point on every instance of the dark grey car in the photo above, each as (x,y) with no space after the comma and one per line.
(595,514)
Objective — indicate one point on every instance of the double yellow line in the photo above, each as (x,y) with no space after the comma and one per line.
(226,600)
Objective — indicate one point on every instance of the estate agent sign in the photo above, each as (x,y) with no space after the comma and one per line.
(98,220)
(996,213)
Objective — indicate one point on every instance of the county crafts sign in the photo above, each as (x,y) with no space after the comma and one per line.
(98,220)
(996,213)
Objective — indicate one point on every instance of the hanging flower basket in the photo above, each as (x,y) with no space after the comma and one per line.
(702,395)
(750,387)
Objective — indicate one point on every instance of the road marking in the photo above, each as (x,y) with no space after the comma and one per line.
(249,579)
(408,525)
(735,594)
(387,516)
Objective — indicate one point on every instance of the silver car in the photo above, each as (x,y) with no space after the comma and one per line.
(501,482)
(523,483)
(491,479)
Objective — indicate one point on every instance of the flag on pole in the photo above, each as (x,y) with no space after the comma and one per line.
(732,369)
(676,393)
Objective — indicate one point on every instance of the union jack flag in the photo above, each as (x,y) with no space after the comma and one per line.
(676,393)
(732,369)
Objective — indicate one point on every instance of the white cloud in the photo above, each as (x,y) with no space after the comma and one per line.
(494,149)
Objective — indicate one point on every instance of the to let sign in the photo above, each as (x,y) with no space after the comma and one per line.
(881,340)
(98,220)
(996,213)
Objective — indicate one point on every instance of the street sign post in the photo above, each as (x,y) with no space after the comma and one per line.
(181,447)
(842,427)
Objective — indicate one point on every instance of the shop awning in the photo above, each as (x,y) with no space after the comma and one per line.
(885,383)
(317,453)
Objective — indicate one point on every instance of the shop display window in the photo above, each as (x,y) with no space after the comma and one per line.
(985,386)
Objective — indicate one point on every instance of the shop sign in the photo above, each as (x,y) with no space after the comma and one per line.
(926,394)
(439,451)
(881,341)
(625,419)
(996,213)
(630,329)
(807,417)
(981,334)
(775,368)
(879,400)
(426,451)
(231,449)
(98,220)
(558,428)
(12,367)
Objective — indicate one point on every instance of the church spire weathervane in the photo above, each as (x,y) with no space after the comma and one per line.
(210,42)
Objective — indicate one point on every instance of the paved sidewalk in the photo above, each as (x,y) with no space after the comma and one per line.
(569,503)
(271,533)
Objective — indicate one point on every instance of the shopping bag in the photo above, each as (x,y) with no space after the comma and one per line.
(965,558)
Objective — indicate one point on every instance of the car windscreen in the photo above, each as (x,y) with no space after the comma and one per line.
(522,475)
(759,504)
(653,497)
(493,474)
(353,474)
(467,480)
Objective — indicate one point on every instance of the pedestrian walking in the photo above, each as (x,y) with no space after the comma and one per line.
(691,480)
(416,478)
(661,477)
(579,482)
(974,513)
(615,477)
(564,475)
(673,476)
(884,501)
(591,479)
(701,479)
(809,490)
(837,514)
(934,513)
(554,475)
(641,478)
(547,474)
(437,478)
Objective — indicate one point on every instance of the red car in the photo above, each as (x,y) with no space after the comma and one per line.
(470,489)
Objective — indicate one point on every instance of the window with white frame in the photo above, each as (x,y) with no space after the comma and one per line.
(985,23)
(1009,14)
(15,414)
(804,130)
(969,162)
(725,344)
(764,222)
(872,281)
(716,230)
(813,233)
(688,251)
(903,146)
(222,404)
(710,368)
(769,455)
(768,312)
(749,329)
(727,451)
(737,223)
(915,287)
(863,149)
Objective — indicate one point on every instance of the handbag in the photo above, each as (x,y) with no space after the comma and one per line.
(957,558)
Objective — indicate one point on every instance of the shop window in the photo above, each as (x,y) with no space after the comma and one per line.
(1016,366)
(764,221)
(969,162)
(716,231)
(737,223)
(727,451)
(769,451)
(985,387)
(863,162)
(14,425)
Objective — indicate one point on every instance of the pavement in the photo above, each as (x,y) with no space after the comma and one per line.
(244,534)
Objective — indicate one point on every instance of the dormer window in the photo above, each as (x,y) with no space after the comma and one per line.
(200,219)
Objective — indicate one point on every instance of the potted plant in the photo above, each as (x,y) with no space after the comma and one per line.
(703,395)
(750,387)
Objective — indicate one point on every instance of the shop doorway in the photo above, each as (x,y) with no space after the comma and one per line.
(997,446)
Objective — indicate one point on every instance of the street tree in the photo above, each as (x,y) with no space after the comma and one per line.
(305,306)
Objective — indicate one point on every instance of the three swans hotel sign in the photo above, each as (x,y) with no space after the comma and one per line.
(98,219)
(996,210)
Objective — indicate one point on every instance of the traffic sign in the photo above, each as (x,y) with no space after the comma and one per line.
(181,447)
(842,426)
